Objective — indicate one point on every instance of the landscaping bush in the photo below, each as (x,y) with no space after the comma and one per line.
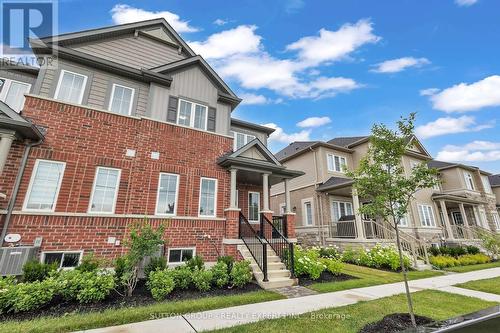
(196,262)
(155,263)
(331,252)
(441,261)
(471,249)
(228,260)
(85,287)
(34,270)
(219,274)
(202,279)
(241,274)
(89,263)
(30,296)
(182,276)
(160,283)
(444,261)
(333,266)
(120,269)
(6,283)
(378,256)
(307,262)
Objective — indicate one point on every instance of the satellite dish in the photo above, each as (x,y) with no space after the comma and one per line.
(12,238)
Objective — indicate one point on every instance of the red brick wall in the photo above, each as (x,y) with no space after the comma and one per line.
(85,139)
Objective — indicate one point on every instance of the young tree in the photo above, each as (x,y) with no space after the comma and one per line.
(382,180)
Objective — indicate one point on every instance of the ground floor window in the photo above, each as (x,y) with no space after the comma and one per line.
(253,206)
(177,256)
(208,195)
(66,259)
(341,209)
(426,216)
(496,219)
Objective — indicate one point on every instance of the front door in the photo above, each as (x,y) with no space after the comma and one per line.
(458,221)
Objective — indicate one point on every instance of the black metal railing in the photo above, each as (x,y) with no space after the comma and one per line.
(254,243)
(278,242)
(280,224)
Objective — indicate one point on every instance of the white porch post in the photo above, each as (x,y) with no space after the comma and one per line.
(265,191)
(360,232)
(6,140)
(446,221)
(287,196)
(232,198)
(464,216)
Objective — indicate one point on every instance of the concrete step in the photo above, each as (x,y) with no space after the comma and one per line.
(273,274)
(270,265)
(277,283)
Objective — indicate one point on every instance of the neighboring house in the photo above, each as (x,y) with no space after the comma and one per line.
(326,205)
(129,124)
(495,186)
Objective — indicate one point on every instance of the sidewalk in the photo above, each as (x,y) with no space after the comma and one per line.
(244,314)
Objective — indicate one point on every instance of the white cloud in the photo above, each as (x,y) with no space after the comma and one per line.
(449,125)
(469,97)
(240,40)
(220,22)
(314,122)
(279,135)
(334,45)
(400,64)
(253,99)
(429,91)
(465,3)
(121,14)
(476,151)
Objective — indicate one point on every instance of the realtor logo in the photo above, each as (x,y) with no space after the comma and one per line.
(22,20)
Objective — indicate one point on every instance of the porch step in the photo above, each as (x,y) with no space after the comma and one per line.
(422,266)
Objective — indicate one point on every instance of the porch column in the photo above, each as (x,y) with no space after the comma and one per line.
(360,232)
(446,221)
(287,196)
(265,192)
(464,216)
(6,140)
(232,197)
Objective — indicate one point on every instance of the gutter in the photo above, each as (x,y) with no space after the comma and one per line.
(15,190)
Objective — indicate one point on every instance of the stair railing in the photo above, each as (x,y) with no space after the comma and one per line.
(278,242)
(254,243)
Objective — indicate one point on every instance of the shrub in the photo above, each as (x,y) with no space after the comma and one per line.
(160,283)
(334,266)
(182,276)
(471,249)
(89,263)
(85,287)
(329,252)
(155,263)
(6,285)
(378,257)
(31,296)
(120,268)
(228,260)
(491,243)
(241,274)
(443,261)
(195,262)
(202,279)
(464,260)
(307,262)
(219,274)
(34,270)
(435,251)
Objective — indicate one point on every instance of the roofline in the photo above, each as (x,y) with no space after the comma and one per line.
(455,198)
(463,166)
(314,145)
(239,122)
(358,142)
(122,28)
(19,67)
(336,186)
(228,161)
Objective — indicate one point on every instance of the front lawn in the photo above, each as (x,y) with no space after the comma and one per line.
(80,321)
(470,268)
(486,285)
(429,303)
(365,277)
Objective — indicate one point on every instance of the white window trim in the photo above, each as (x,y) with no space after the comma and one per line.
(304,212)
(471,183)
(248,206)
(42,257)
(176,194)
(338,202)
(486,184)
(432,214)
(179,248)
(89,211)
(245,138)
(6,89)
(84,86)
(193,108)
(215,197)
(496,220)
(129,113)
(282,207)
(333,162)
(32,180)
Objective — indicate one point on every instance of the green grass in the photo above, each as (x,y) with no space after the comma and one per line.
(470,268)
(434,304)
(368,277)
(74,322)
(486,285)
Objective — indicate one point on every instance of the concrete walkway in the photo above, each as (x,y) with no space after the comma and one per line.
(243,314)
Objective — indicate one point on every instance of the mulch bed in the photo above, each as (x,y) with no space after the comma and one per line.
(395,322)
(325,277)
(58,306)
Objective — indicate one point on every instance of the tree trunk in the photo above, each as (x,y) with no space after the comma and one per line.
(405,278)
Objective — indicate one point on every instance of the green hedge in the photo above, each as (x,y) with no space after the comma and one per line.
(445,261)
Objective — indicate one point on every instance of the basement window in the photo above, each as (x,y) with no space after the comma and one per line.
(64,259)
(177,256)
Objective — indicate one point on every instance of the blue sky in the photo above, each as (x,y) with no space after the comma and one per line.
(343,64)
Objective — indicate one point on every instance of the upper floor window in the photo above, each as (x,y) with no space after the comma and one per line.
(105,191)
(12,93)
(486,184)
(426,216)
(241,139)
(44,185)
(469,182)
(166,202)
(192,115)
(121,99)
(70,87)
(336,163)
(208,197)
(341,209)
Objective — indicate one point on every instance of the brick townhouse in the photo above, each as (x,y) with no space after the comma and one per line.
(129,123)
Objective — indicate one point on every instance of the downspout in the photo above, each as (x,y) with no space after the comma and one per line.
(318,197)
(15,190)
